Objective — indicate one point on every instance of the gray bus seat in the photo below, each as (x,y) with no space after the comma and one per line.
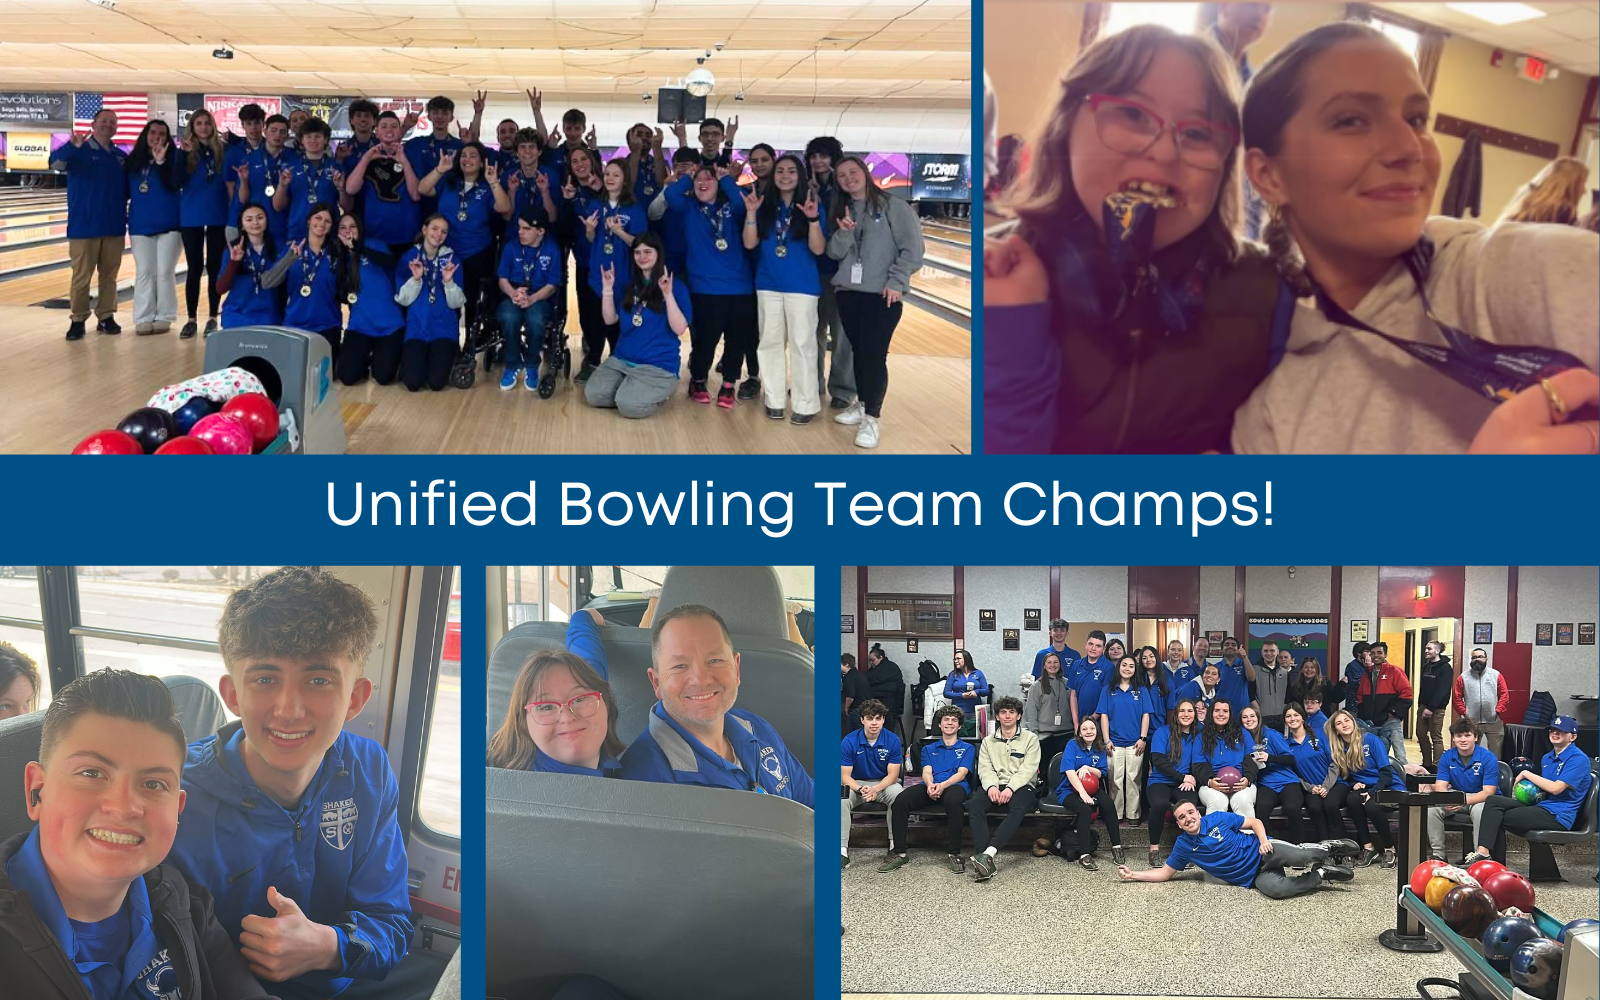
(668,892)
(777,679)
(19,744)
(749,598)
(449,985)
(199,706)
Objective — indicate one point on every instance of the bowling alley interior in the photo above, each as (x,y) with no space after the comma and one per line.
(1521,75)
(1044,924)
(891,80)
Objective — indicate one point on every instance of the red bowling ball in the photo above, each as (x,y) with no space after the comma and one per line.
(185,446)
(1481,870)
(1091,783)
(256,412)
(1421,874)
(109,442)
(225,434)
(1510,889)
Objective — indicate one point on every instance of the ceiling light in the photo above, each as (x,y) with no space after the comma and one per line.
(699,82)
(1497,13)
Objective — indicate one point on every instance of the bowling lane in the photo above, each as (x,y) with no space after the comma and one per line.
(944,286)
(13,235)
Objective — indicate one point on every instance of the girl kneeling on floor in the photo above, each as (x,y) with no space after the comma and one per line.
(642,371)
(433,295)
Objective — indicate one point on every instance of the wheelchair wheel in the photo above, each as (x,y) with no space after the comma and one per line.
(464,372)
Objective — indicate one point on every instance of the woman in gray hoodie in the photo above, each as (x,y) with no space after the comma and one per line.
(877,241)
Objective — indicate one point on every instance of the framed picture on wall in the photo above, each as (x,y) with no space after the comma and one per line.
(847,623)
(911,645)
(1586,633)
(1482,633)
(1215,636)
(1544,634)
(1563,633)
(1358,631)
(1010,638)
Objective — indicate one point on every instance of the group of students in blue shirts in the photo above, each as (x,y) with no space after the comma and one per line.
(287,874)
(261,215)
(562,716)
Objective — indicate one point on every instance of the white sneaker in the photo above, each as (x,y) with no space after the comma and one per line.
(867,436)
(850,415)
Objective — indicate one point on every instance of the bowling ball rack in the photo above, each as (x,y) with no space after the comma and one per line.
(1478,980)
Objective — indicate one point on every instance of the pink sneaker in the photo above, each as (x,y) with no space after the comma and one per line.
(725,395)
(698,393)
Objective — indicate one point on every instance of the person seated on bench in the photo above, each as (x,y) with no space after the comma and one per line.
(695,736)
(1466,767)
(1564,777)
(1008,765)
(945,767)
(869,767)
(1085,755)
(1236,850)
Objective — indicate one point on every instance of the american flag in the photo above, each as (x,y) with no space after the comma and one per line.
(133,111)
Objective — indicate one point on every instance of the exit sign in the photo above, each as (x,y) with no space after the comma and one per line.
(1532,69)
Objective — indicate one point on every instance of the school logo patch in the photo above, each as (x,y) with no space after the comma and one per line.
(773,766)
(159,980)
(883,753)
(339,823)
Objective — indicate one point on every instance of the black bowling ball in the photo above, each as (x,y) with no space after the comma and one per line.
(150,426)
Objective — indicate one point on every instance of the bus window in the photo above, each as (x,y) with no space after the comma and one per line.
(440,798)
(158,620)
(22,623)
(526,587)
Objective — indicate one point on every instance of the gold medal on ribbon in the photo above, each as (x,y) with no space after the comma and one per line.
(638,320)
(305,291)
(782,250)
(722,244)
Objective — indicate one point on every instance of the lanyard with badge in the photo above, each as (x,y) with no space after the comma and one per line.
(780,231)
(857,271)
(1497,371)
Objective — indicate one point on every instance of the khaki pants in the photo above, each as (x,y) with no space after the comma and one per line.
(1430,738)
(1494,733)
(103,254)
(787,320)
(1125,767)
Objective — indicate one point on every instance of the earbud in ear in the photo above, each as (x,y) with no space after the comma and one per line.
(34,796)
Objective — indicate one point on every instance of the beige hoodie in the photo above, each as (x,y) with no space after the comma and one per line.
(1012,763)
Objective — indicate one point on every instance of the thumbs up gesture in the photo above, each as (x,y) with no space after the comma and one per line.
(288,944)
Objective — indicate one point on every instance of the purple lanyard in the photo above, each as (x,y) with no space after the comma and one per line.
(1497,371)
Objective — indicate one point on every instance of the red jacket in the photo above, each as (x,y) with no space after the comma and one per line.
(1384,693)
(1502,699)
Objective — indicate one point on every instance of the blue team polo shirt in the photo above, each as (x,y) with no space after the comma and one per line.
(619,255)
(153,207)
(796,271)
(1483,768)
(1233,688)
(1074,756)
(609,767)
(1125,712)
(652,341)
(1311,757)
(532,267)
(117,958)
(1230,755)
(713,271)
(265,170)
(471,235)
(204,197)
(1089,680)
(375,313)
(870,761)
(232,156)
(312,183)
(248,304)
(1068,656)
(1272,775)
(945,760)
(319,310)
(97,189)
(668,752)
(435,320)
(1161,743)
(1222,849)
(1572,767)
(1374,758)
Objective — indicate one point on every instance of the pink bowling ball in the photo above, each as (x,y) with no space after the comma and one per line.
(225,434)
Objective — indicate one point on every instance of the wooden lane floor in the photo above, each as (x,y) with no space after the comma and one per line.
(943,285)
(41,411)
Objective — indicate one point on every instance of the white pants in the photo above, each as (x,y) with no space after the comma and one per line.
(1242,802)
(155,289)
(788,323)
(1125,766)
(886,795)
(1436,817)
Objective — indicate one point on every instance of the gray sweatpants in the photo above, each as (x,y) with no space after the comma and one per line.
(1436,817)
(886,796)
(635,391)
(840,380)
(1271,881)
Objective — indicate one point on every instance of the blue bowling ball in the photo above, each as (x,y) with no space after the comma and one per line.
(1576,925)
(1503,937)
(189,414)
(1536,968)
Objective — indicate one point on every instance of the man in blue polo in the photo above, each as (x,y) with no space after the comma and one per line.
(97,219)
(1564,778)
(1236,850)
(1058,645)
(695,736)
(1237,675)
(869,767)
(1466,767)
(1087,676)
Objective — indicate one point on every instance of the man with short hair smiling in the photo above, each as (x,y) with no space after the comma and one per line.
(1058,645)
(292,822)
(870,759)
(695,736)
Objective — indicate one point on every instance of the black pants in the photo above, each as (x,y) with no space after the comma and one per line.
(427,363)
(1293,800)
(476,272)
(413,979)
(204,250)
(596,333)
(1341,795)
(361,355)
(1502,813)
(1022,803)
(717,317)
(953,799)
(1102,804)
(333,337)
(1159,798)
(869,324)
